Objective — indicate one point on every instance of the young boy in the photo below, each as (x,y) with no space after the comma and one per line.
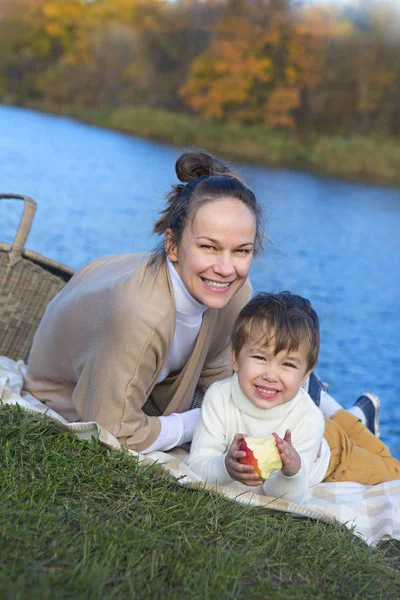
(275,346)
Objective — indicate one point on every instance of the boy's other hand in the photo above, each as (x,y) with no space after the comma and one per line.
(242,473)
(290,458)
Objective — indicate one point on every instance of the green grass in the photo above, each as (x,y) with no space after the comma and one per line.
(81,521)
(374,159)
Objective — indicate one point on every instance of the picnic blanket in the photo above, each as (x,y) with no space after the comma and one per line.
(370,512)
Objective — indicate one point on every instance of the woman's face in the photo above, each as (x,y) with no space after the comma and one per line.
(216,250)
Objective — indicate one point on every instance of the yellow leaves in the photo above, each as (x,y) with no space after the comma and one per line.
(291,75)
(249,61)
(51,10)
(54,29)
(278,108)
(244,64)
(63,12)
(224,77)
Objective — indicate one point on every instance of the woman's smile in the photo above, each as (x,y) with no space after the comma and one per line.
(217,286)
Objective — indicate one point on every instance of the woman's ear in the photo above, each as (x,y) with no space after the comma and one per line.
(235,365)
(170,245)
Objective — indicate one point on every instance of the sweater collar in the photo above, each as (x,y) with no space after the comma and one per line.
(245,405)
(185,304)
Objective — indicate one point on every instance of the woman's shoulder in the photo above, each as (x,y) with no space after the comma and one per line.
(112,266)
(117,289)
(119,273)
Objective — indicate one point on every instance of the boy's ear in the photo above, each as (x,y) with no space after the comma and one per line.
(306,376)
(170,245)
(235,365)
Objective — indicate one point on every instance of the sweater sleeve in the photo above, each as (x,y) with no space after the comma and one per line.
(115,383)
(306,439)
(101,344)
(176,429)
(210,443)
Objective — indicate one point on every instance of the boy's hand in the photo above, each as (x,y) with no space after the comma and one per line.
(242,473)
(290,458)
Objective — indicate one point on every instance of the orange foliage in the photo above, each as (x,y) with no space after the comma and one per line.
(275,62)
(259,62)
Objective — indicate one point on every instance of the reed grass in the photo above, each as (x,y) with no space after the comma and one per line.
(363,158)
(80,521)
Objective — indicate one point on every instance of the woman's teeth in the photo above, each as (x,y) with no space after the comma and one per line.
(216,284)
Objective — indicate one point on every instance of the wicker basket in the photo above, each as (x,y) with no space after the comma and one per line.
(28,281)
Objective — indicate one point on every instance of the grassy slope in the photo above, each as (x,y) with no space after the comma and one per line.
(80,521)
(363,158)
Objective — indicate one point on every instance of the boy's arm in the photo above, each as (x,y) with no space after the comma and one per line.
(209,445)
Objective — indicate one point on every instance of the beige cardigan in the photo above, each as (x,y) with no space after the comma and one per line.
(103,341)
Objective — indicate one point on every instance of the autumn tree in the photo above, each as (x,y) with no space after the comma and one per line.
(361,86)
(261,57)
(323,66)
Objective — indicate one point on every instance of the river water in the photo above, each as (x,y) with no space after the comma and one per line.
(335,242)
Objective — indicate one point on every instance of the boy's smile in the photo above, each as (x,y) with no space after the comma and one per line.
(269,380)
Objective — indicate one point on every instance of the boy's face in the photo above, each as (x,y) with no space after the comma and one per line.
(268,380)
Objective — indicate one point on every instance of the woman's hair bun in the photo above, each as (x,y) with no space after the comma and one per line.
(191,165)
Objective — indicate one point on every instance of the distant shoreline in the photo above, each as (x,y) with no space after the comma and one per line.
(367,159)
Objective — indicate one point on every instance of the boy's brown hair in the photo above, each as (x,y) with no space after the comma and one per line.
(287,318)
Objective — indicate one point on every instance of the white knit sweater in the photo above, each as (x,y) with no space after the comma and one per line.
(227,411)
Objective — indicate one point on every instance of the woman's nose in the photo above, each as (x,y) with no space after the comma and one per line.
(224,265)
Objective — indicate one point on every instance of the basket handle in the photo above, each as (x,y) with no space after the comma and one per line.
(24,225)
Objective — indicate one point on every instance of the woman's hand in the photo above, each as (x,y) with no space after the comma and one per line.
(290,458)
(242,473)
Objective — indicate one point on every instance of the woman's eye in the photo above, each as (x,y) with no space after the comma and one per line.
(207,247)
(243,251)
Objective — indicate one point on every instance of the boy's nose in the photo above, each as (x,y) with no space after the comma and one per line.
(270,373)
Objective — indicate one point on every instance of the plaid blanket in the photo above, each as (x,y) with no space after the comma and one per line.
(370,512)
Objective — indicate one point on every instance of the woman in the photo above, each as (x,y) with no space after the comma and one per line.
(134,341)
(130,338)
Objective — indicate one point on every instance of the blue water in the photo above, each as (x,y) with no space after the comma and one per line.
(337,243)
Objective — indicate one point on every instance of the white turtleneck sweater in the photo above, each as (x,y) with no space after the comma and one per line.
(177,428)
(226,411)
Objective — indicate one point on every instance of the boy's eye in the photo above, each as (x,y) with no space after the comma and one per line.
(258,357)
(289,364)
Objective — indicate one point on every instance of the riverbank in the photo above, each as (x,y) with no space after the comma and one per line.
(82,521)
(361,158)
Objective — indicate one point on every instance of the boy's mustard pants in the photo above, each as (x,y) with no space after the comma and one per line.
(356,454)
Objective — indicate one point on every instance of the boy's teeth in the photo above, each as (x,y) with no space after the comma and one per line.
(265,391)
(215,283)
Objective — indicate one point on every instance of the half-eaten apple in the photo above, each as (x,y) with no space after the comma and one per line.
(262,454)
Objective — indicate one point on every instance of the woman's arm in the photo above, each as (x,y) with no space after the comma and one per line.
(210,440)
(176,429)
